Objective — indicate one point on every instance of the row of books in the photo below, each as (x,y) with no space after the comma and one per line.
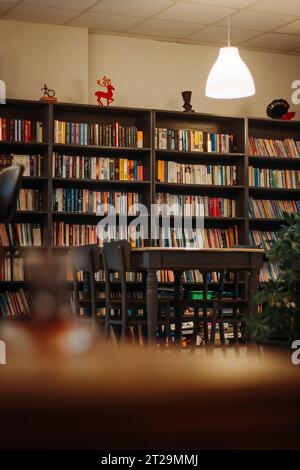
(205,238)
(29,235)
(191,276)
(271,209)
(193,205)
(33,164)
(273,178)
(77,235)
(195,140)
(100,203)
(173,172)
(13,269)
(15,303)
(20,130)
(110,135)
(287,148)
(97,168)
(262,239)
(29,200)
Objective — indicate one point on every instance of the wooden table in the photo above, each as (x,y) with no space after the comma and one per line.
(182,259)
(133,398)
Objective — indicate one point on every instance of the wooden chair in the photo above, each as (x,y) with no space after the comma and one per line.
(116,258)
(87,259)
(10,183)
(223,299)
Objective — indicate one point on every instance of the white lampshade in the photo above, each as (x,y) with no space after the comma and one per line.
(229,77)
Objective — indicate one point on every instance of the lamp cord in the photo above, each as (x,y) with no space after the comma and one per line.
(228,25)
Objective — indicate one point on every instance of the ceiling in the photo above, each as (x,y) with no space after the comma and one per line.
(265,25)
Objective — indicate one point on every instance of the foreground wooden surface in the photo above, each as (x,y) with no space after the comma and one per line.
(144,399)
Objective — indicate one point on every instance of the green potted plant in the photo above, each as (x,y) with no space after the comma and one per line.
(279,319)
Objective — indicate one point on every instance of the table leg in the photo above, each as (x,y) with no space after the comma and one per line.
(151,301)
(252,290)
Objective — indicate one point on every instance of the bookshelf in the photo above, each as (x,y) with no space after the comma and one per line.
(273,160)
(147,120)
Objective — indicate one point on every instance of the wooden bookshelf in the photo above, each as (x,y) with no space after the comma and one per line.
(147,120)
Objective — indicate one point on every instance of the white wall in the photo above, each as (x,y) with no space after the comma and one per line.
(148,73)
(32,54)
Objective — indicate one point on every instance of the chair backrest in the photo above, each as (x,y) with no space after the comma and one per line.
(10,182)
(86,258)
(116,256)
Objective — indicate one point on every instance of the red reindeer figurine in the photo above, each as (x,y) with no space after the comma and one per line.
(107,95)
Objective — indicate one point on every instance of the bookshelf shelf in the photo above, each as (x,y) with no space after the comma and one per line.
(198,188)
(274,193)
(100,149)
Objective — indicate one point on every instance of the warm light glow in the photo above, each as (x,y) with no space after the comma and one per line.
(229,77)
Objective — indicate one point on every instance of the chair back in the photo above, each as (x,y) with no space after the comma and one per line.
(10,182)
(86,258)
(116,256)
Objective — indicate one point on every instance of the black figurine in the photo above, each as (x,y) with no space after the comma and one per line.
(187,95)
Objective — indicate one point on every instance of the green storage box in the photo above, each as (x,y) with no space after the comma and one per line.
(198,295)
